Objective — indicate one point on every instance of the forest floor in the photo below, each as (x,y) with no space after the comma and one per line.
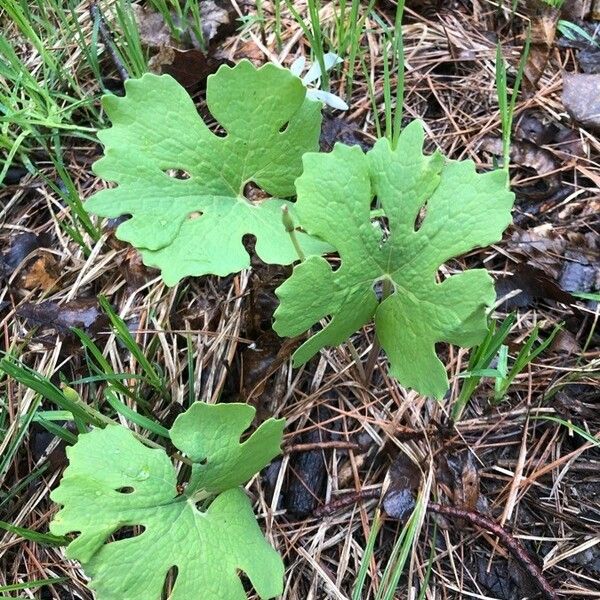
(525,456)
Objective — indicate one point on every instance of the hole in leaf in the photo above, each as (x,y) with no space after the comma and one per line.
(284,127)
(214,126)
(125,490)
(249,243)
(170,580)
(422,214)
(126,532)
(177,174)
(378,289)
(194,215)
(253,193)
(335,263)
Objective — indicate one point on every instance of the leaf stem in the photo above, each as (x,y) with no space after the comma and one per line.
(288,223)
(374,352)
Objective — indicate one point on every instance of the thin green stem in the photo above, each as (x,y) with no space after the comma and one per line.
(288,223)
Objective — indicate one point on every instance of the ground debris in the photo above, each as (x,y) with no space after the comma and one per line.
(189,67)
(189,60)
(578,402)
(528,155)
(338,129)
(581,97)
(570,260)
(83,313)
(460,474)
(528,284)
(404,478)
(19,249)
(544,18)
(305,487)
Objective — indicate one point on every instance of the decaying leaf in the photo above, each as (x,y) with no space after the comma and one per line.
(581,98)
(308,470)
(114,480)
(584,37)
(338,129)
(43,274)
(569,261)
(528,284)
(335,193)
(531,156)
(184,186)
(459,472)
(153,30)
(404,478)
(535,127)
(187,67)
(580,272)
(577,402)
(21,246)
(218,18)
(83,313)
(188,59)
(544,17)
(576,10)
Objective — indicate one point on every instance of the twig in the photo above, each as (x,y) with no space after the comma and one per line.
(326,510)
(96,15)
(512,544)
(340,445)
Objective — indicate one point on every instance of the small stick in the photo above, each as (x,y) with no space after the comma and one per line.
(96,15)
(340,445)
(512,544)
(288,223)
(326,510)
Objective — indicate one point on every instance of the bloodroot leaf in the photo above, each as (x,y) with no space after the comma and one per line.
(183,185)
(210,435)
(463,210)
(115,481)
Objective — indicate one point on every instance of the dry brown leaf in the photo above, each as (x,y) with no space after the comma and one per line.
(43,274)
(83,313)
(544,19)
(460,474)
(188,67)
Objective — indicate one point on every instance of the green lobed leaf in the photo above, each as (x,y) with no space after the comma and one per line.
(195,226)
(210,435)
(464,210)
(113,480)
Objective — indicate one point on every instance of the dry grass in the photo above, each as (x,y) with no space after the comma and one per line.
(536,477)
